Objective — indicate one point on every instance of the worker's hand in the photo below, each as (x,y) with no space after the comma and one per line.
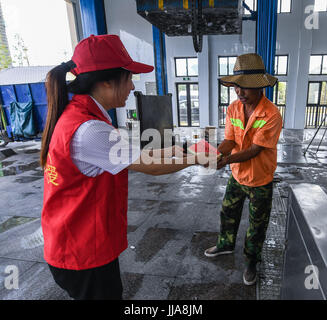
(222,162)
(212,161)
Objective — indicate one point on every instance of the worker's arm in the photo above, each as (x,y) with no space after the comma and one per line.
(226,147)
(241,156)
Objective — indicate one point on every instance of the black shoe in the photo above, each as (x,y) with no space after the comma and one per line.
(214,252)
(250,274)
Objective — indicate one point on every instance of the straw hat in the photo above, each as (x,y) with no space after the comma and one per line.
(249,73)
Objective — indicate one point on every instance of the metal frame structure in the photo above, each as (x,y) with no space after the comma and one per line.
(281,107)
(188,102)
(316,110)
(266,36)
(187,75)
(94,22)
(276,64)
(159,48)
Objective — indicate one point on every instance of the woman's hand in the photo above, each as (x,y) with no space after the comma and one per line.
(178,151)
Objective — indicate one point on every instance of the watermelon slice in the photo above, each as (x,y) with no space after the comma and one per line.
(203,147)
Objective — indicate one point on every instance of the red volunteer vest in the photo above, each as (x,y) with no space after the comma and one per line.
(84,219)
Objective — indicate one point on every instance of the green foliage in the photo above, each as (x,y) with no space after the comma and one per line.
(20,54)
(5,59)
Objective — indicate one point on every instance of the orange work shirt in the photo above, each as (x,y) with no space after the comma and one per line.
(263,129)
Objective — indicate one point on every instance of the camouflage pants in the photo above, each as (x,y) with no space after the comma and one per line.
(259,208)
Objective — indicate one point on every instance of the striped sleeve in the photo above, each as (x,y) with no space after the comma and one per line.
(229,128)
(97,147)
(267,134)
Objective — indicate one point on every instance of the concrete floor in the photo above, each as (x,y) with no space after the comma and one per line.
(172,220)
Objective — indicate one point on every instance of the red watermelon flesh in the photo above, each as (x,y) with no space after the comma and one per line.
(203,147)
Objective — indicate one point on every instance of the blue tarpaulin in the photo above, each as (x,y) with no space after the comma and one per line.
(22,119)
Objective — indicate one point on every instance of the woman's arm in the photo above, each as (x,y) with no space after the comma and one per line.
(174,151)
(149,165)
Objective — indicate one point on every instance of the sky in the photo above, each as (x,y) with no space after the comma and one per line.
(43,26)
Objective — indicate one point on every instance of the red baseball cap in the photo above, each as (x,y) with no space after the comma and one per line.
(104,52)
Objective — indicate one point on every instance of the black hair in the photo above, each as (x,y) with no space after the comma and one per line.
(84,82)
(57,94)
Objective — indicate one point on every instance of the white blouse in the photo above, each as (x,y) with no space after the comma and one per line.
(97,147)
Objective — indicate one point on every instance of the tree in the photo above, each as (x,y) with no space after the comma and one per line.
(5,59)
(20,54)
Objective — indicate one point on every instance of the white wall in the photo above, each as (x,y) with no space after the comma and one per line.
(136,35)
(177,47)
(292,39)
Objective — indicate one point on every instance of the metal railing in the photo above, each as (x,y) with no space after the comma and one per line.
(222,110)
(315,115)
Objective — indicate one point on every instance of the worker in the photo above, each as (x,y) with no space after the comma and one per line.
(253,126)
(84,215)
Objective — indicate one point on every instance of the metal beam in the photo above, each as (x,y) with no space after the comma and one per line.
(94,22)
(266,36)
(159,48)
(93,17)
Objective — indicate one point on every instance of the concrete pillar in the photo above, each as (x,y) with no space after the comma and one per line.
(73,24)
(204,83)
(298,79)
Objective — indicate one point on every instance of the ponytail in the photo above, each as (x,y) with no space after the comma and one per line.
(57,94)
(57,99)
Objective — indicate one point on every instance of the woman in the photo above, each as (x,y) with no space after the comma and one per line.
(84,216)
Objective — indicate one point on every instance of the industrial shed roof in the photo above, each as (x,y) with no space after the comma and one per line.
(22,75)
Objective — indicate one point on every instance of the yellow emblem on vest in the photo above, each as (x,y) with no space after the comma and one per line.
(51,173)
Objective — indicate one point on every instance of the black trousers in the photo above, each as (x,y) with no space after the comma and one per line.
(101,283)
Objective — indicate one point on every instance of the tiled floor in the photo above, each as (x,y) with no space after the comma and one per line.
(172,220)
